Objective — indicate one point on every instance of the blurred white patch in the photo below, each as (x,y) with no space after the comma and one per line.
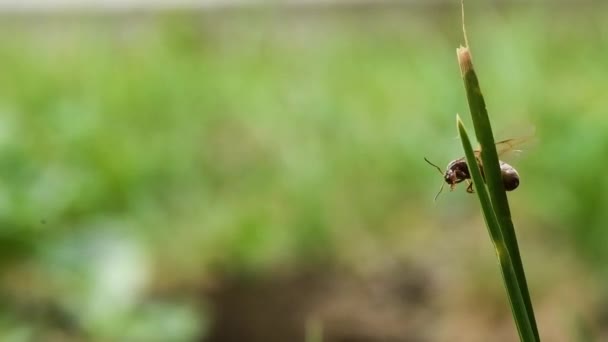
(120,272)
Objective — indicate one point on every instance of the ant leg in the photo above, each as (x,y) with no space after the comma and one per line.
(470,187)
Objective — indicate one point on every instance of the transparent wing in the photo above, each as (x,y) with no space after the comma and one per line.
(509,145)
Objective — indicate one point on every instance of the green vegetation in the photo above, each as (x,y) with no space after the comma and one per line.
(143,154)
(493,199)
(524,319)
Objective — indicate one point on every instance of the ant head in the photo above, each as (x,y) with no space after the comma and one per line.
(450,176)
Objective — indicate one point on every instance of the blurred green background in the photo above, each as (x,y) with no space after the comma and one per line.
(257,173)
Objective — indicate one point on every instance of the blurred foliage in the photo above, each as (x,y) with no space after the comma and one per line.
(149,151)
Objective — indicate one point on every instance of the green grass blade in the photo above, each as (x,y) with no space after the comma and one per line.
(492,172)
(518,307)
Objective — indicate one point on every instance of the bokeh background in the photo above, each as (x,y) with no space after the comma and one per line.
(231,171)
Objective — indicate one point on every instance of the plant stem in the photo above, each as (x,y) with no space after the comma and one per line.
(493,174)
(518,307)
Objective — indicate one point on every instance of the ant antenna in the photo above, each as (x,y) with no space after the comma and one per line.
(441,173)
(435,166)
(438,193)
